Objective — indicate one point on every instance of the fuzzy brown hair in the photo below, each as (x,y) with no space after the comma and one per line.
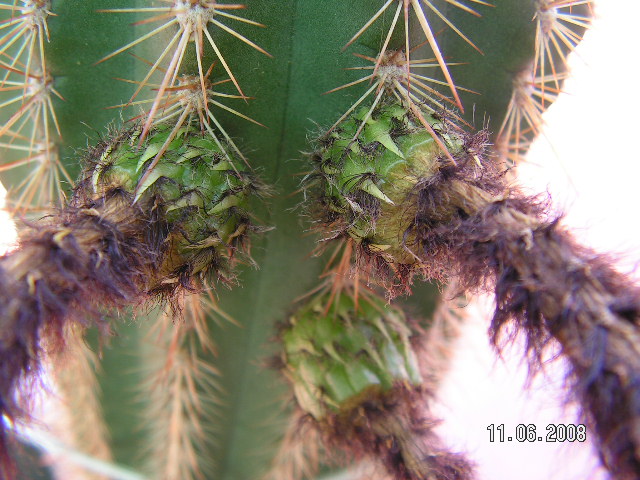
(94,254)
(396,429)
(471,225)
(99,253)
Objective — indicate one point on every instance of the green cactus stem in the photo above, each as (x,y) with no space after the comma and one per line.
(54,82)
(355,371)
(120,242)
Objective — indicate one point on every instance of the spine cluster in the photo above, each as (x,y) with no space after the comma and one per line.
(30,135)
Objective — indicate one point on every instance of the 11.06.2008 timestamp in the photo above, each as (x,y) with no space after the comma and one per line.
(555,432)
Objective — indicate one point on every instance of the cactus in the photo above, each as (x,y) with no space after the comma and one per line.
(399,169)
(354,370)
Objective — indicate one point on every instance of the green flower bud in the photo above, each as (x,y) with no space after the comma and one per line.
(201,191)
(340,356)
(367,183)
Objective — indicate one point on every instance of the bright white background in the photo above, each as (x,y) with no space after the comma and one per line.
(589,160)
(7,229)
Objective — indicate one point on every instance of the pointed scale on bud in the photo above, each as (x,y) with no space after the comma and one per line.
(203,193)
(340,356)
(365,182)
(369,172)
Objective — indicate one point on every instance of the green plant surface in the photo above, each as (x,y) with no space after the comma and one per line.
(338,357)
(288,96)
(506,51)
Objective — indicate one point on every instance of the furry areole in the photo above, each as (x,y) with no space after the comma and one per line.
(129,234)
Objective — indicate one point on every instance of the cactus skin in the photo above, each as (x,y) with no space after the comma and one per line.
(355,371)
(118,243)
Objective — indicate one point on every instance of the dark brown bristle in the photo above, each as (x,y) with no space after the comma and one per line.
(65,268)
(395,429)
(472,226)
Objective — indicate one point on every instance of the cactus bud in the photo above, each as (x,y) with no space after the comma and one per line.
(129,233)
(372,168)
(366,181)
(355,372)
(203,194)
(338,357)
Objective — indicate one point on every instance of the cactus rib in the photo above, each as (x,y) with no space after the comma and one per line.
(183,391)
